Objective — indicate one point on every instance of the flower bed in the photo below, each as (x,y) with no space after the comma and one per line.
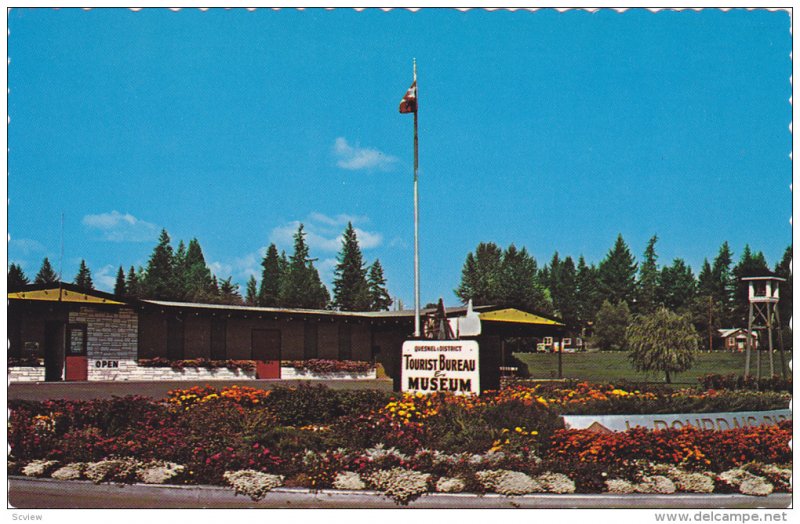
(201,363)
(734,381)
(327,369)
(509,442)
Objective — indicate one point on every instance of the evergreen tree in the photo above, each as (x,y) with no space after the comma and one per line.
(705,280)
(610,325)
(46,275)
(350,287)
(587,291)
(677,286)
(197,285)
(647,286)
(119,286)
(617,273)
(563,290)
(159,282)
(16,277)
(229,293)
(724,282)
(519,284)
(706,314)
(133,283)
(84,277)
(783,269)
(662,342)
(269,294)
(481,276)
(379,297)
(180,267)
(301,286)
(252,292)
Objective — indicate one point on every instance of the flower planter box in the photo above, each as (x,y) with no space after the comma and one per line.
(188,373)
(288,373)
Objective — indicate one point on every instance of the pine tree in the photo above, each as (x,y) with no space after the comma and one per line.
(705,280)
(379,297)
(783,269)
(159,282)
(180,267)
(724,282)
(676,290)
(269,293)
(84,277)
(617,273)
(197,283)
(519,284)
(16,277)
(229,293)
(46,275)
(481,276)
(587,291)
(647,286)
(566,303)
(301,286)
(251,298)
(133,283)
(119,286)
(350,287)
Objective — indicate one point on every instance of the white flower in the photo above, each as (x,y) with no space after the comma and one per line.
(507,482)
(620,486)
(655,484)
(39,468)
(252,483)
(450,485)
(69,472)
(556,483)
(400,484)
(348,480)
(158,472)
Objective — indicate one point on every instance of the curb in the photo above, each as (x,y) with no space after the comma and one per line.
(33,493)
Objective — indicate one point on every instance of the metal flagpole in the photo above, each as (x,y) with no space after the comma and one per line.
(416,212)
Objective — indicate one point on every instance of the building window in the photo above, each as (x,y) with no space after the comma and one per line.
(76,340)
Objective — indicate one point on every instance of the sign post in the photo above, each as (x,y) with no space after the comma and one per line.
(431,366)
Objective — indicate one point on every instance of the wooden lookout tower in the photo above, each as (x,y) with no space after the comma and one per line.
(763,318)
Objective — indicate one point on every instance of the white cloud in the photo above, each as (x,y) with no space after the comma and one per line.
(106,278)
(118,227)
(355,157)
(25,246)
(324,233)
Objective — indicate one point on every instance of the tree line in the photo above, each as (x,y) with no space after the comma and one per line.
(603,298)
(183,275)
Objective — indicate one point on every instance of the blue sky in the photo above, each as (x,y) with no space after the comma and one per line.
(553,131)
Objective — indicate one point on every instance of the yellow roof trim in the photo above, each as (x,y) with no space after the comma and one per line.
(52,295)
(518,317)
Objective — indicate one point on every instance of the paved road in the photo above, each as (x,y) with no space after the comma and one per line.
(90,390)
(27,493)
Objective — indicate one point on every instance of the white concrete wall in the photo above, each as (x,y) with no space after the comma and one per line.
(26,374)
(294,374)
(111,337)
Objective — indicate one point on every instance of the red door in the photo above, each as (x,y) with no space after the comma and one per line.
(266,346)
(77,363)
(77,368)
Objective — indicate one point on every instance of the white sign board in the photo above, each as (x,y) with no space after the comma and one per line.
(430,366)
(677,421)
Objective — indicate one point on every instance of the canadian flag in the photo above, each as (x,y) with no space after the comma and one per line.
(409,102)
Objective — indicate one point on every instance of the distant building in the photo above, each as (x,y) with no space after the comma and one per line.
(735,339)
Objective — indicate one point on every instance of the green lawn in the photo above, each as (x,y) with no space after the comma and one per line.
(610,366)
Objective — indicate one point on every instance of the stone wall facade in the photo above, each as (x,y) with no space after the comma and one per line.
(112,339)
(26,374)
(144,374)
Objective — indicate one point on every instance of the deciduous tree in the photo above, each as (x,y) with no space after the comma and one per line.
(662,342)
(610,325)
